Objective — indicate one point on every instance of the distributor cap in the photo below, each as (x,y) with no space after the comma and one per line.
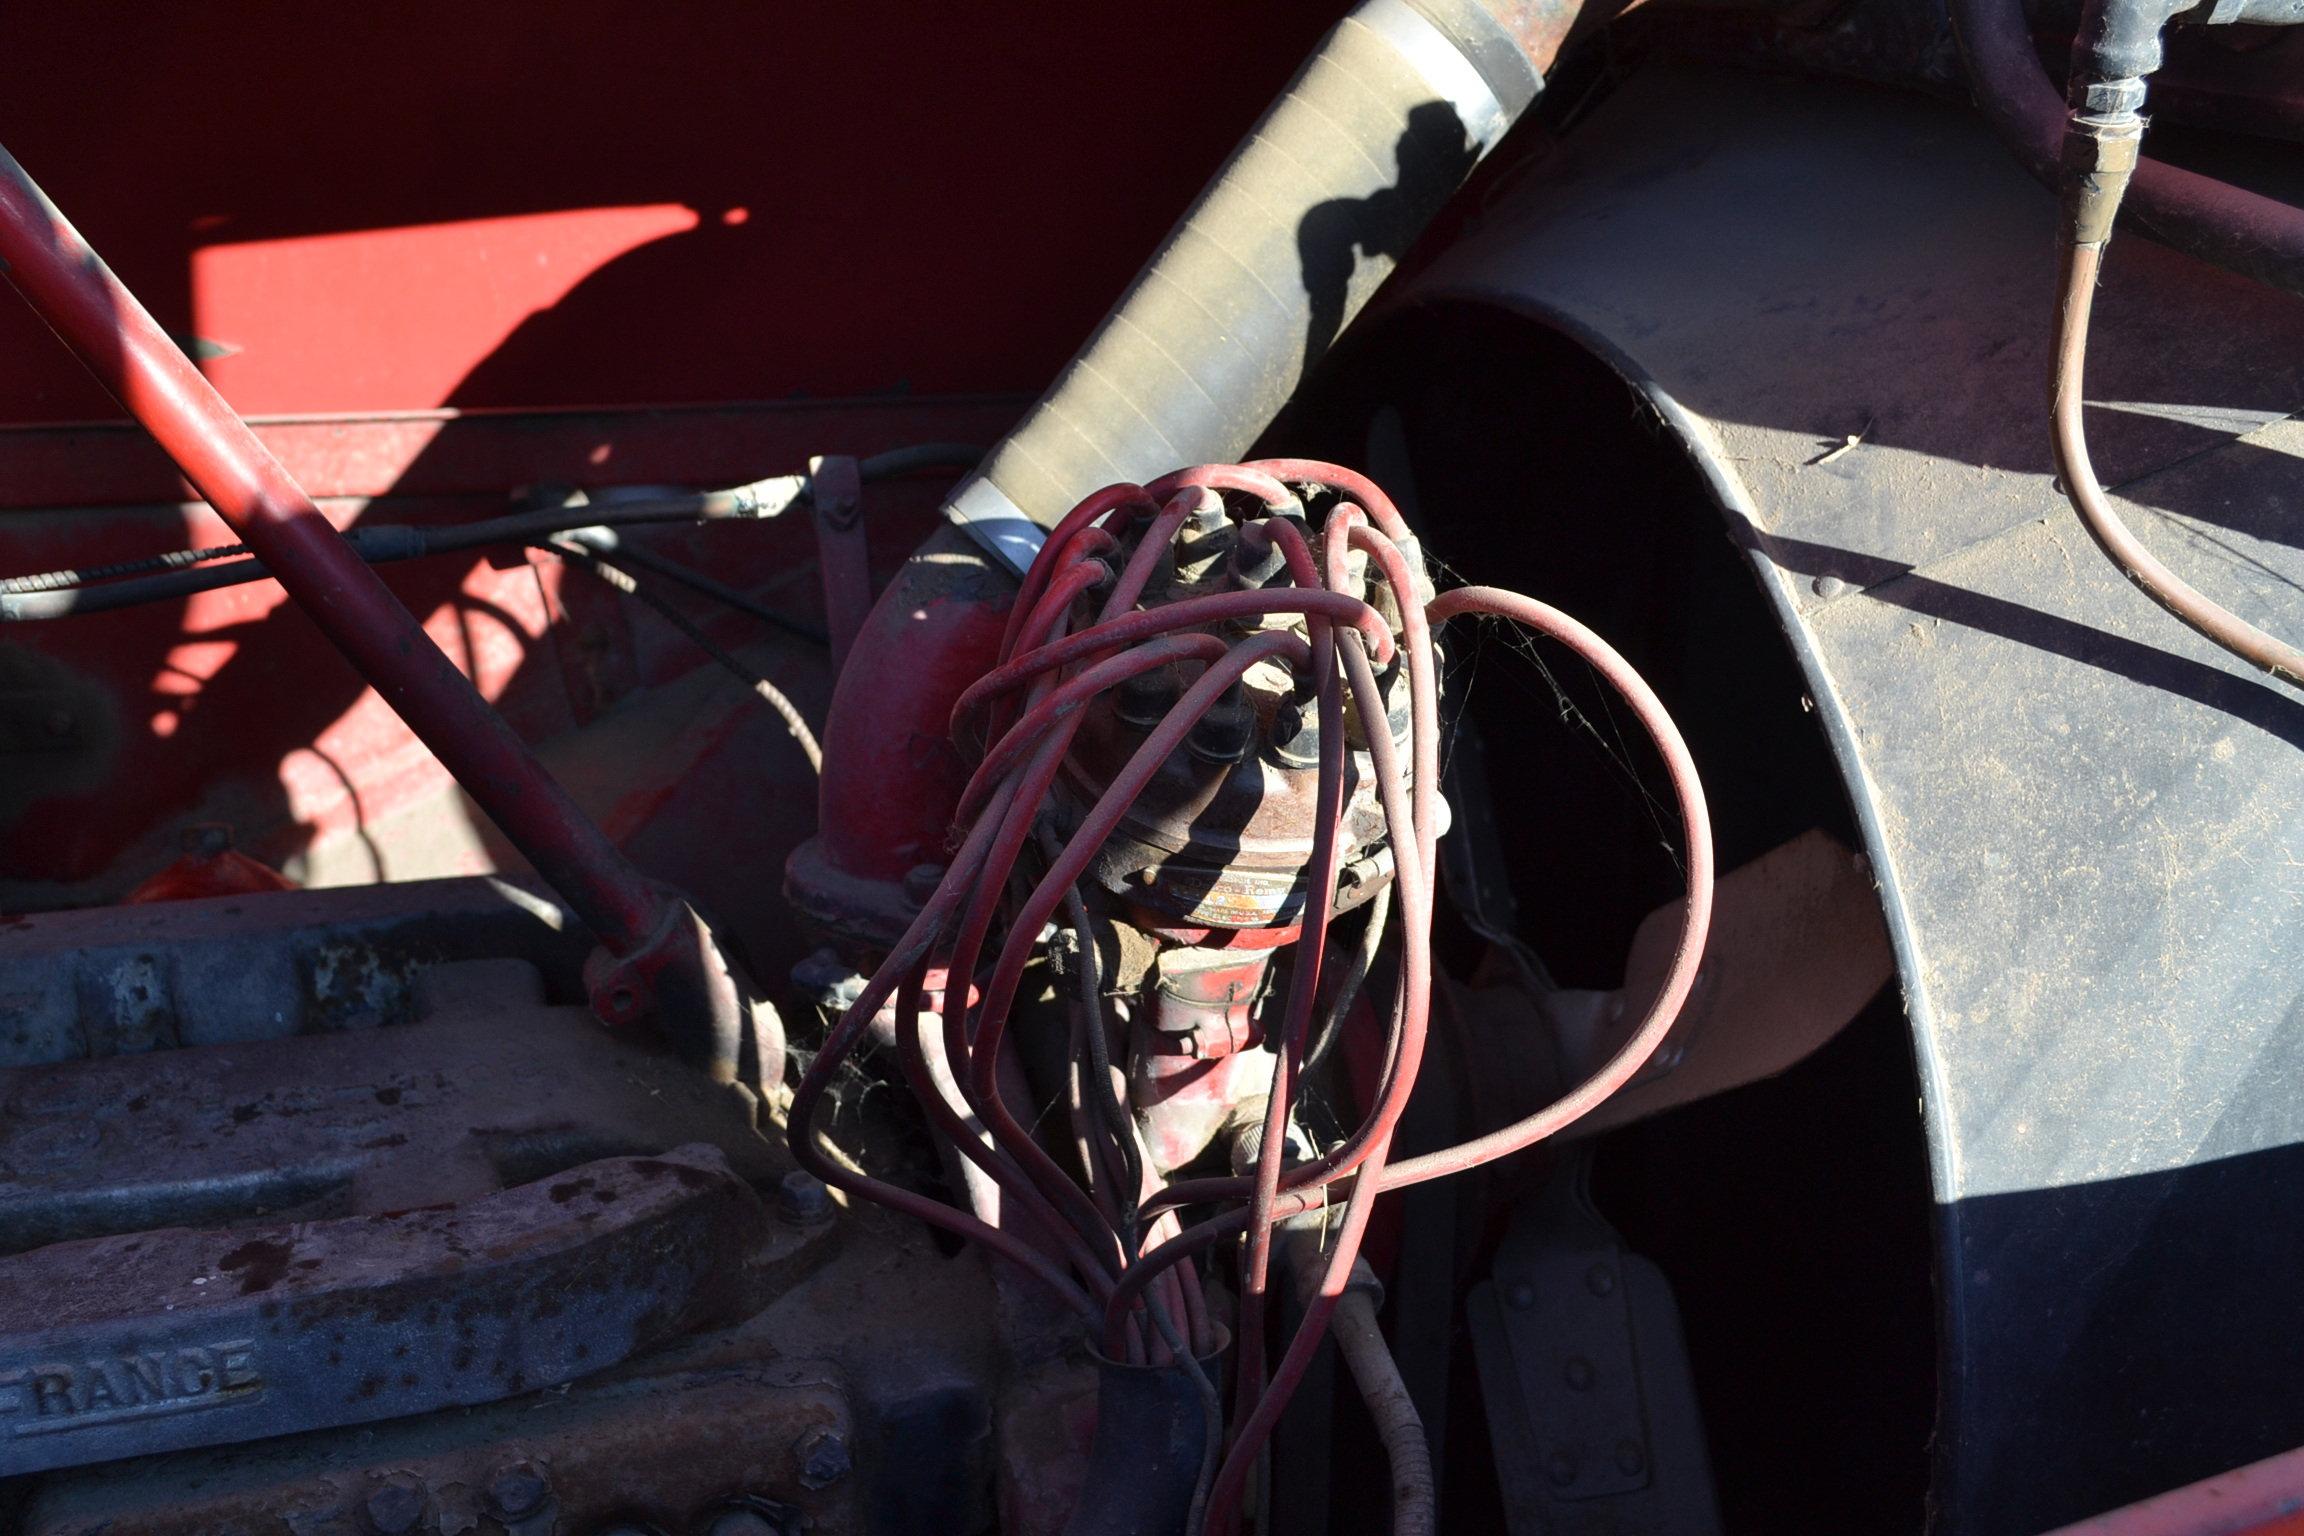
(1223,834)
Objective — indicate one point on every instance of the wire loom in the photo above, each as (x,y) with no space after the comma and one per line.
(1130,1271)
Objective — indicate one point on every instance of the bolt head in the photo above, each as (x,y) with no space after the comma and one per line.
(1560,1467)
(518,1491)
(1578,1373)
(1631,1459)
(1600,1280)
(1521,1296)
(803,1197)
(920,882)
(823,1456)
(396,1507)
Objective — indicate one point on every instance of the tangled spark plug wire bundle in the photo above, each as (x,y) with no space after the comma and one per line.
(1087,741)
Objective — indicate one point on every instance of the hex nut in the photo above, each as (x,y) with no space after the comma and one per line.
(823,1456)
(396,1506)
(803,1197)
(518,1491)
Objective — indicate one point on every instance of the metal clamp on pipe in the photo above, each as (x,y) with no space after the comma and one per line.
(2216,221)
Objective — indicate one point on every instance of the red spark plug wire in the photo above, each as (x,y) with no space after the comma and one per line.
(1304,985)
(1034,702)
(1414,894)
(909,953)
(1186,613)
(1055,552)
(1344,482)
(1279,501)
(1100,822)
(1076,693)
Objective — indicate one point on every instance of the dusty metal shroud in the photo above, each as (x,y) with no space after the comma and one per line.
(2084,820)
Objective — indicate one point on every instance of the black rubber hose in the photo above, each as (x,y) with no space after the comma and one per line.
(919,459)
(376,543)
(609,569)
(601,541)
(58,595)
(1107,1103)
(173,560)
(62,594)
(2239,230)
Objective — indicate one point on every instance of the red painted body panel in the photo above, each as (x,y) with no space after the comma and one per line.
(597,202)
(151,376)
(365,216)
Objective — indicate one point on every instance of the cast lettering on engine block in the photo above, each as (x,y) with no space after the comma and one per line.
(58,1396)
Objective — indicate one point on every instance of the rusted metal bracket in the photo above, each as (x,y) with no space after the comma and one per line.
(1591,1407)
(836,492)
(120,1346)
(678,976)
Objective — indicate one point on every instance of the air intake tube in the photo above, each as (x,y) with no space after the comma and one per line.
(1309,215)
(1278,253)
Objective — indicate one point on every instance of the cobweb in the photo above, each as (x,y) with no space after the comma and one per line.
(1481,647)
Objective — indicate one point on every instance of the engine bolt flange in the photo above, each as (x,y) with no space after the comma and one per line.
(823,1456)
(518,1491)
(396,1506)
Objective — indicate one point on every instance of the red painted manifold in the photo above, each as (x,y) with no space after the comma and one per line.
(892,776)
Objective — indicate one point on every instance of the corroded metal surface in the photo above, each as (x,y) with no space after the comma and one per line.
(121,1345)
(491,1091)
(671,1450)
(2082,817)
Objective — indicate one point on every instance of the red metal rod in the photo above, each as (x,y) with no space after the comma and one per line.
(113,334)
(2265,1498)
